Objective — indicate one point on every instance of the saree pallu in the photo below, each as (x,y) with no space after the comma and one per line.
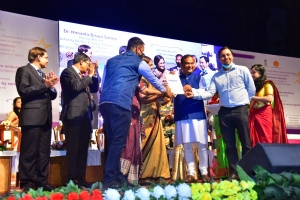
(154,153)
(261,125)
(222,168)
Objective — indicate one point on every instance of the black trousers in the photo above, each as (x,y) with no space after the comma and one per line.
(34,154)
(229,120)
(78,134)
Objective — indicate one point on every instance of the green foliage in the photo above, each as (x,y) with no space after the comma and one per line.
(285,185)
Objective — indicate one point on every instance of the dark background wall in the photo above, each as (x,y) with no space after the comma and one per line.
(265,26)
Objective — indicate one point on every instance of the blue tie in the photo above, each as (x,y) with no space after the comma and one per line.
(40,73)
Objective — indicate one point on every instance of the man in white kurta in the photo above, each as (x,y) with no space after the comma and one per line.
(190,121)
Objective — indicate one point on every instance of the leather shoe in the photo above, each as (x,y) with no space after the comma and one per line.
(233,177)
(190,179)
(46,187)
(125,182)
(27,187)
(205,178)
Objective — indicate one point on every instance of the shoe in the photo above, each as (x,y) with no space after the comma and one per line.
(46,187)
(125,183)
(233,177)
(205,178)
(84,184)
(27,187)
(112,184)
(190,179)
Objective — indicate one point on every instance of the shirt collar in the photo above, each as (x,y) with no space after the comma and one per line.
(77,70)
(35,67)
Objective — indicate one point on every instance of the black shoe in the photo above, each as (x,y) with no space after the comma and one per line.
(125,183)
(233,177)
(112,184)
(84,184)
(27,187)
(46,187)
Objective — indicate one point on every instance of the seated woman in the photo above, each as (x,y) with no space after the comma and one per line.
(13,116)
(266,120)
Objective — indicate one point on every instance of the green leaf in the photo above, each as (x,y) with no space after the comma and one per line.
(278,179)
(242,174)
(296,181)
(288,178)
(261,175)
(296,192)
(273,191)
(32,193)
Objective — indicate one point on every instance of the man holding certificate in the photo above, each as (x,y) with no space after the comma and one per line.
(190,121)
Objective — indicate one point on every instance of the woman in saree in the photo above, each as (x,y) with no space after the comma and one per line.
(266,120)
(154,154)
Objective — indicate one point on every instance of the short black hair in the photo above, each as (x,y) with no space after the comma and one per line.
(205,58)
(223,48)
(81,56)
(186,56)
(134,42)
(178,55)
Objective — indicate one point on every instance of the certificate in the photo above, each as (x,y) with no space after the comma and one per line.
(174,83)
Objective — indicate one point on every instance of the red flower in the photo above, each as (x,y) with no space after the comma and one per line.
(96,195)
(57,196)
(72,196)
(11,198)
(84,195)
(41,198)
(26,197)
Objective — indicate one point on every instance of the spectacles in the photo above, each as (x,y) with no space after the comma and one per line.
(88,63)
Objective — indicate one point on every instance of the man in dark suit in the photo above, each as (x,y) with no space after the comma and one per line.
(36,91)
(178,64)
(76,115)
(94,88)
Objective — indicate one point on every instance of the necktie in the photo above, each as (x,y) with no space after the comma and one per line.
(40,73)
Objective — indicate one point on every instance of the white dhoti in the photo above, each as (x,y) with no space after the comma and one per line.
(193,132)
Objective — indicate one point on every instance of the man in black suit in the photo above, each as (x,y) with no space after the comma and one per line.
(36,91)
(177,68)
(94,88)
(76,115)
